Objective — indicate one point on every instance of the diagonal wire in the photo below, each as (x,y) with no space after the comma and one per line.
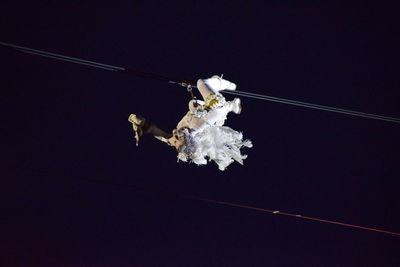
(168,194)
(70,60)
(277,212)
(185,83)
(59,56)
(314,106)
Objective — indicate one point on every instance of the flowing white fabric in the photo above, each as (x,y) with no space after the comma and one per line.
(203,131)
(206,139)
(220,144)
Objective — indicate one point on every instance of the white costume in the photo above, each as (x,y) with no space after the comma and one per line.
(201,131)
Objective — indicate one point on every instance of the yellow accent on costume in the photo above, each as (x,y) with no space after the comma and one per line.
(212,103)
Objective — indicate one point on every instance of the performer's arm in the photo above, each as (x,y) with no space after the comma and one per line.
(157,132)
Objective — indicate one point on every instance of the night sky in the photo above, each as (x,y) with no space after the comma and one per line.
(76,191)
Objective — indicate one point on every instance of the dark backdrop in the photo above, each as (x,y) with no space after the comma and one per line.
(72,170)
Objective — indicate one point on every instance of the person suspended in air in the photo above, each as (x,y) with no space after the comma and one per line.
(201,135)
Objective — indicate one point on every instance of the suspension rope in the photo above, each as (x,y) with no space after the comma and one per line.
(60,57)
(188,83)
(314,106)
(86,62)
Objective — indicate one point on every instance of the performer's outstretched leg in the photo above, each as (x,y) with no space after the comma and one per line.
(213,85)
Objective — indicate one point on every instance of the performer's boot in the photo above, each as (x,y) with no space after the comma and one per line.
(217,83)
(235,106)
(137,122)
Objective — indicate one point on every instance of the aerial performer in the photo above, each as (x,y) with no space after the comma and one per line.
(201,136)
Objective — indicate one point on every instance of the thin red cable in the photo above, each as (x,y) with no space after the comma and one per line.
(231,204)
(294,215)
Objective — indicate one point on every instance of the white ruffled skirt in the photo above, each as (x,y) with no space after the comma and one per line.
(220,144)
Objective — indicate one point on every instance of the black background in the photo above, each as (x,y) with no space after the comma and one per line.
(72,170)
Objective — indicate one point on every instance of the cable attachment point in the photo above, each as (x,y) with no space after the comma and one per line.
(189,88)
(186,84)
